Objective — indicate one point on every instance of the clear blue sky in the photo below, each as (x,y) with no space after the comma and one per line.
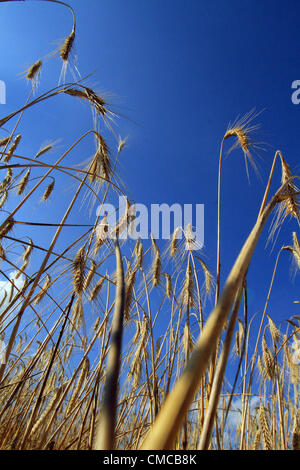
(178,71)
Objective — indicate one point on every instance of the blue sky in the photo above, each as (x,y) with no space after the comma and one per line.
(177,72)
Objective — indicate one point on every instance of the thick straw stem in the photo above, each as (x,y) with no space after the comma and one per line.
(105,439)
(218,378)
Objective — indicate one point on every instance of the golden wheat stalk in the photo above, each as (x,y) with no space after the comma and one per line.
(105,438)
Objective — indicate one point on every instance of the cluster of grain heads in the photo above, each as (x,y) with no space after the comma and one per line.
(173,411)
(135,398)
